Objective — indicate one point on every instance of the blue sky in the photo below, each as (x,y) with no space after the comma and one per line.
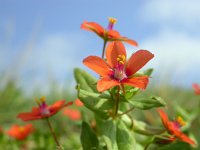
(42,40)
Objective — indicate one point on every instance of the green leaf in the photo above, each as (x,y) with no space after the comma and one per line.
(107,130)
(130,92)
(148,72)
(147,103)
(85,80)
(125,139)
(99,103)
(89,139)
(141,127)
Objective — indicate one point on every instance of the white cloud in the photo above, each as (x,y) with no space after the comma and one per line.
(176,55)
(181,12)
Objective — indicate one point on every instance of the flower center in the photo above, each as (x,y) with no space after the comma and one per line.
(119,72)
(179,122)
(43,106)
(112,21)
(21,129)
(121,59)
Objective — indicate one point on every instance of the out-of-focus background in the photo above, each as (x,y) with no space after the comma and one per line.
(41,42)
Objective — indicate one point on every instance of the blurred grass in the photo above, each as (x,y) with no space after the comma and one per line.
(13,100)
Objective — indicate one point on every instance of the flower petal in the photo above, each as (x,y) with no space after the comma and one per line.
(106,83)
(33,115)
(78,102)
(113,50)
(129,41)
(94,27)
(139,82)
(113,35)
(58,106)
(73,114)
(181,136)
(98,65)
(164,118)
(137,61)
(196,88)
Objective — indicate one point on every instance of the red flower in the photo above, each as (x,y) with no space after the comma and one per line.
(196,88)
(107,34)
(78,103)
(173,127)
(20,132)
(43,111)
(117,71)
(73,114)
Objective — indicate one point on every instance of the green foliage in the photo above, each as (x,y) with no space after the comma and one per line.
(148,103)
(89,140)
(98,103)
(85,80)
(125,138)
(107,130)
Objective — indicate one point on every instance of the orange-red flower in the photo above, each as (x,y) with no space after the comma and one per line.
(196,88)
(106,34)
(43,110)
(20,132)
(173,127)
(117,70)
(78,103)
(73,114)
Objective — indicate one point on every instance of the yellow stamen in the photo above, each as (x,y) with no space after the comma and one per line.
(112,20)
(121,59)
(180,121)
(42,99)
(21,129)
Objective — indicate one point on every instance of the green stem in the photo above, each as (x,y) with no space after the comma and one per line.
(53,134)
(117,102)
(104,47)
(149,143)
(147,146)
(126,112)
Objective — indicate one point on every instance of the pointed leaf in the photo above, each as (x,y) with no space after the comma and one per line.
(107,130)
(89,139)
(147,103)
(96,102)
(148,72)
(125,138)
(141,127)
(85,80)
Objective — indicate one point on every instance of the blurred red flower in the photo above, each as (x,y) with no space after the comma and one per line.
(73,114)
(78,102)
(196,88)
(107,34)
(20,132)
(173,128)
(43,110)
(117,71)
